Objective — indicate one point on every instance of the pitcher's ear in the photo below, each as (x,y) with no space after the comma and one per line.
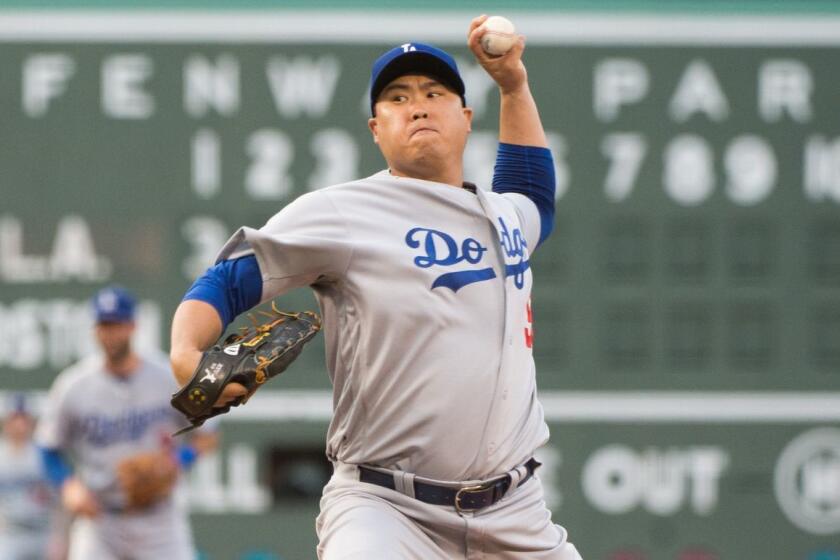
(372,124)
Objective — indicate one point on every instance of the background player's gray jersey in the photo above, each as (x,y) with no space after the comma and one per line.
(26,503)
(25,496)
(425,291)
(100,419)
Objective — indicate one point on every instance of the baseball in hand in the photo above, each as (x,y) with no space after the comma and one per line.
(499,37)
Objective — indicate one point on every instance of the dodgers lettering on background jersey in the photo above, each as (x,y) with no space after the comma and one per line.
(101,429)
(100,419)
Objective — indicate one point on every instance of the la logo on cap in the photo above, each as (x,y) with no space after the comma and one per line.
(108,301)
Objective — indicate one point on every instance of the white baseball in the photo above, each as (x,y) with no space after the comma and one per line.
(499,37)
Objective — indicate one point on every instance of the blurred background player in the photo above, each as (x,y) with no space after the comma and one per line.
(101,412)
(26,498)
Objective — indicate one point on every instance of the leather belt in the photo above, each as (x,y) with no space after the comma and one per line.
(466,498)
(119,510)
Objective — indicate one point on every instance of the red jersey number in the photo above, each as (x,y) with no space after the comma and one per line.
(529,328)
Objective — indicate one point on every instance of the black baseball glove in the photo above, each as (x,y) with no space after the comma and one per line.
(250,358)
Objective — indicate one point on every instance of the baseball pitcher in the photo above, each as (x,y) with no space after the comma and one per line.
(424,284)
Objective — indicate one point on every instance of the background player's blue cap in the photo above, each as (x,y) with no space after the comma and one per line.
(414,58)
(114,304)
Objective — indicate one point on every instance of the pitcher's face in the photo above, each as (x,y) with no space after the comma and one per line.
(418,118)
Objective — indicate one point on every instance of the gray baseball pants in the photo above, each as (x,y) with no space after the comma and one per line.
(361,521)
(161,533)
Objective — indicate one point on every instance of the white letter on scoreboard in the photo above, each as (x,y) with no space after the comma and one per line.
(698,92)
(122,92)
(302,85)
(210,85)
(618,81)
(707,466)
(822,169)
(785,86)
(612,479)
(44,78)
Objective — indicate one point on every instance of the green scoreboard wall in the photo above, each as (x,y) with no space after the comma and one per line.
(687,308)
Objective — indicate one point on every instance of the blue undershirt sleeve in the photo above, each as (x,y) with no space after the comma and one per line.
(56,467)
(529,171)
(187,455)
(232,287)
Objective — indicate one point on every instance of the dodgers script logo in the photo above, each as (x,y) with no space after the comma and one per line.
(513,244)
(441,249)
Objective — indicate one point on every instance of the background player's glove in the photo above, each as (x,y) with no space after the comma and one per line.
(146,478)
(250,358)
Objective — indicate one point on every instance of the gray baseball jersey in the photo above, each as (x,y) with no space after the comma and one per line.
(425,292)
(100,419)
(26,501)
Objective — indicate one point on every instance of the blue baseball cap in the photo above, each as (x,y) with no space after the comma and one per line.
(114,304)
(414,58)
